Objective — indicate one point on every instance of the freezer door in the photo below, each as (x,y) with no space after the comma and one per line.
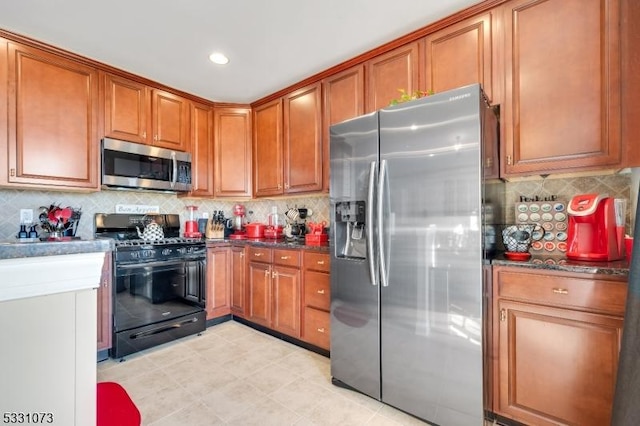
(355,317)
(431,298)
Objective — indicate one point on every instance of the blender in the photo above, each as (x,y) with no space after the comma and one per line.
(191,225)
(239,213)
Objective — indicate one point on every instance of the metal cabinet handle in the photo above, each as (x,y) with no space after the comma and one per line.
(320,262)
(285,257)
(12,172)
(321,330)
(560,291)
(321,291)
(257,254)
(266,273)
(274,274)
(144,135)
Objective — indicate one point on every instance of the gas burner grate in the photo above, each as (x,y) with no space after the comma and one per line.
(164,241)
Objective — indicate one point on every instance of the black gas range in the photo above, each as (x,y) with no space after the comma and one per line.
(159,284)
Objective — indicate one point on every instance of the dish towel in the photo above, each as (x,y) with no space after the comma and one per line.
(115,407)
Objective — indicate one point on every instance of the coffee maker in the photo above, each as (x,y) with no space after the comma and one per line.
(595,230)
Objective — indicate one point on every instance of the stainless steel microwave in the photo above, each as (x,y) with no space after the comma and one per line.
(127,165)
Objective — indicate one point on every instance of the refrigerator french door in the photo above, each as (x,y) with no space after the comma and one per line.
(406,196)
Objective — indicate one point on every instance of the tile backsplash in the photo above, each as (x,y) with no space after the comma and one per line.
(12,200)
(615,185)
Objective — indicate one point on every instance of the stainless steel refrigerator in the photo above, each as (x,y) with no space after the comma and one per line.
(409,242)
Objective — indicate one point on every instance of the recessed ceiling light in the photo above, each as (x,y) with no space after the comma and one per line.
(218,58)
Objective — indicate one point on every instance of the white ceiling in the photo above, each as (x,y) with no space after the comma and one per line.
(271,44)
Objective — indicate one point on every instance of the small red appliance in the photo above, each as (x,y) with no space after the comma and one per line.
(593,234)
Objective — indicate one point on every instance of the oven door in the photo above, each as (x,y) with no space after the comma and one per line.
(153,292)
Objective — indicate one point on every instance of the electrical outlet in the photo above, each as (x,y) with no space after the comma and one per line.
(26,216)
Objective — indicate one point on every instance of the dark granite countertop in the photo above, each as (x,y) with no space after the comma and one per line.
(18,249)
(271,243)
(561,263)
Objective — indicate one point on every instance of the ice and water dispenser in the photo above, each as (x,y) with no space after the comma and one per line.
(350,232)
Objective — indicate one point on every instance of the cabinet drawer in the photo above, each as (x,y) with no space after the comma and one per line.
(316,261)
(259,254)
(317,290)
(286,257)
(548,288)
(316,327)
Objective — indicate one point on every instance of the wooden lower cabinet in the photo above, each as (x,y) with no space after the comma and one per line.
(238,275)
(218,290)
(556,341)
(273,280)
(104,304)
(317,299)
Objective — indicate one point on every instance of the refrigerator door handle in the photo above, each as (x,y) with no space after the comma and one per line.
(370,248)
(383,265)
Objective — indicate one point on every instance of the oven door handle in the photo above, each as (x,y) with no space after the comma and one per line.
(130,266)
(149,333)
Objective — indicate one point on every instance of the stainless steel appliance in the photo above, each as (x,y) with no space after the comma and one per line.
(127,165)
(406,193)
(158,286)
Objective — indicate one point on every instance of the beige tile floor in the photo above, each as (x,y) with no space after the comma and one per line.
(234,375)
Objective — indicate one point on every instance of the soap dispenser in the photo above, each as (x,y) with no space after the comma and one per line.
(23,232)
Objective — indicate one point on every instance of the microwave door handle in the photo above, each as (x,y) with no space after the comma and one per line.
(174,178)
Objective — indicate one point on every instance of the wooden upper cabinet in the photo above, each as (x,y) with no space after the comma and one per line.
(52,120)
(170,120)
(201,149)
(343,97)
(127,105)
(459,55)
(267,149)
(138,113)
(232,151)
(390,72)
(303,140)
(561,109)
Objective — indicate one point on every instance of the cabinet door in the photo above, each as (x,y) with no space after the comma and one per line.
(267,149)
(126,109)
(218,282)
(52,125)
(170,120)
(259,293)
(556,366)
(4,94)
(343,97)
(104,304)
(459,55)
(201,150)
(303,140)
(562,86)
(286,300)
(388,73)
(238,273)
(232,158)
